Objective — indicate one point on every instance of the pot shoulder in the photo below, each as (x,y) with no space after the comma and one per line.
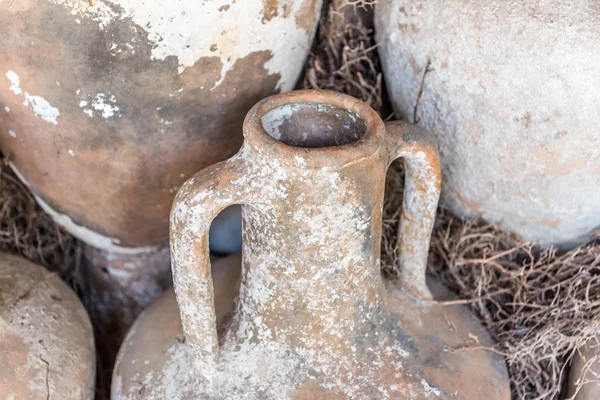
(450,349)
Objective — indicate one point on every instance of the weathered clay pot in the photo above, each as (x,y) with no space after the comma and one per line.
(510,93)
(314,319)
(583,376)
(106,110)
(147,350)
(46,340)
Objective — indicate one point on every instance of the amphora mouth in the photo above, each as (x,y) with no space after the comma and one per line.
(313,125)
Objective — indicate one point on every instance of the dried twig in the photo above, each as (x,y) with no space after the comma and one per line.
(26,230)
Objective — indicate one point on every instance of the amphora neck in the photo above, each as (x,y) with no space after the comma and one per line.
(312,241)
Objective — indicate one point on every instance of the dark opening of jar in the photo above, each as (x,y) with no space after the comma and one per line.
(313,125)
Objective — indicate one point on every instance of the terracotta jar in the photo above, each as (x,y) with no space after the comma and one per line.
(509,89)
(106,109)
(313,319)
(46,339)
(583,375)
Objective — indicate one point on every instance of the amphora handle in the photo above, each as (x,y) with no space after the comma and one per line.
(197,203)
(421,194)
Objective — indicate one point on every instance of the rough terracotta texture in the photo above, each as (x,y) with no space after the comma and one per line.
(314,318)
(511,94)
(107,109)
(584,372)
(46,341)
(152,358)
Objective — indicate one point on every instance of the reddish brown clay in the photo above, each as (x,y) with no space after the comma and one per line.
(313,318)
(106,110)
(46,340)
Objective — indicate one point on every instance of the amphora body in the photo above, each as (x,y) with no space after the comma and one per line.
(313,319)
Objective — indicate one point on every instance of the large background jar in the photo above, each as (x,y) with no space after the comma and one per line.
(512,93)
(106,110)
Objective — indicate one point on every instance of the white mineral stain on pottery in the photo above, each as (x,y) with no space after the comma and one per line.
(507,90)
(89,236)
(185,30)
(15,82)
(42,108)
(430,390)
(105,104)
(37,104)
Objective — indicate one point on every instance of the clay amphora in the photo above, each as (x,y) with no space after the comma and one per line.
(108,106)
(509,90)
(46,340)
(313,319)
